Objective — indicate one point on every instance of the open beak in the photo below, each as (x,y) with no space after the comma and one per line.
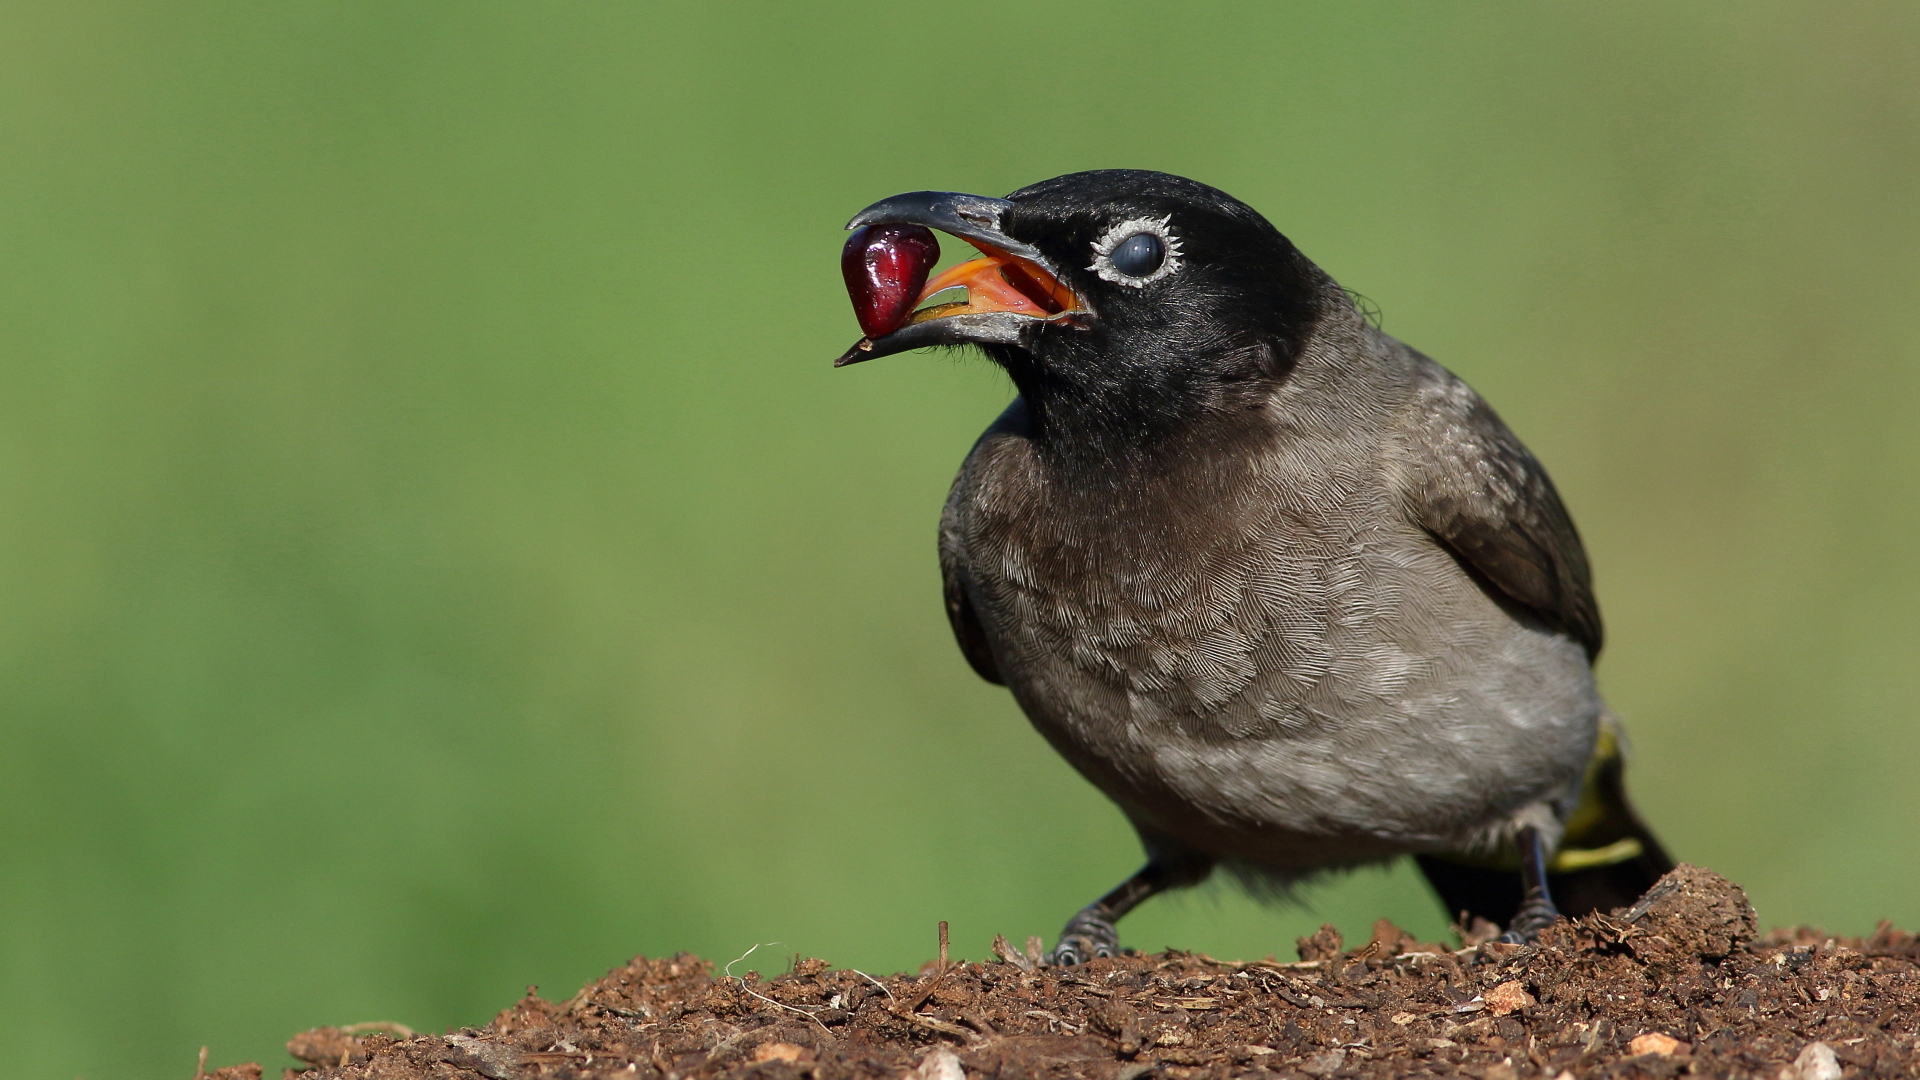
(1009,288)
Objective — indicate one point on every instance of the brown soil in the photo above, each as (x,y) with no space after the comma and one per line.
(1677,984)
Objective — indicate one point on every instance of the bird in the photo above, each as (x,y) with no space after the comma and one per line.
(1283,588)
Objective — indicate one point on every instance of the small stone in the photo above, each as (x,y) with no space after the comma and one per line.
(779,1051)
(940,1064)
(1405,1018)
(1816,1062)
(1656,1042)
(1506,998)
(1325,1064)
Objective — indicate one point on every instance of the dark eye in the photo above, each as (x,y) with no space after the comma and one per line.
(1139,255)
(1137,252)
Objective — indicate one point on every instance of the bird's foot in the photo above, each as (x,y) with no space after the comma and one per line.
(1527,923)
(1087,935)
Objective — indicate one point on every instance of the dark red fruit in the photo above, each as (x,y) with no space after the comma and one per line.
(886,267)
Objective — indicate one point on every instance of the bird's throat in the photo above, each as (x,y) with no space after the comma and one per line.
(1125,421)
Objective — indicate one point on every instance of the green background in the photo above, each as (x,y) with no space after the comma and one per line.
(437,557)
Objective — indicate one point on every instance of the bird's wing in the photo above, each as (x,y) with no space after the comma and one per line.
(967,628)
(1481,493)
(965,621)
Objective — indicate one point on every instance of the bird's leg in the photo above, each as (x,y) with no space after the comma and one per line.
(1090,932)
(1536,903)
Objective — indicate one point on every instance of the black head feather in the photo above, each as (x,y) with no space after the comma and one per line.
(1217,318)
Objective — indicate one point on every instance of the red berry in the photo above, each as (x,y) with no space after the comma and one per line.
(886,267)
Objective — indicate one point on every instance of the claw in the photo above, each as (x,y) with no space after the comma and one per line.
(1529,921)
(1087,935)
(1537,911)
(1090,934)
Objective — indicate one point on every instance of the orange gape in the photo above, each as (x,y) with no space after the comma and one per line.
(998,281)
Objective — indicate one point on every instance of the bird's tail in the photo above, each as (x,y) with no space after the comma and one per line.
(1607,857)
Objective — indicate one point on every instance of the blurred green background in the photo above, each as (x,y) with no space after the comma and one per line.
(437,557)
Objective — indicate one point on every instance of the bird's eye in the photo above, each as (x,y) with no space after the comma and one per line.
(1137,253)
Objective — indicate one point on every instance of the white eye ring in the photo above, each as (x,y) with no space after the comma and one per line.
(1126,230)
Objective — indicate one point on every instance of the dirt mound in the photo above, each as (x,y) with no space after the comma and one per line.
(1679,983)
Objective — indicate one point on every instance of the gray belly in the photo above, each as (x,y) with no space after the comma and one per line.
(1302,703)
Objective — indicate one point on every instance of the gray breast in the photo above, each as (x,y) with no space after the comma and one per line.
(1263,656)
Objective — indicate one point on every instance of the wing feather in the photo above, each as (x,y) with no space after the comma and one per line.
(1478,490)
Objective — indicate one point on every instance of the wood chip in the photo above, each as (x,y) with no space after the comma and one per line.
(1508,997)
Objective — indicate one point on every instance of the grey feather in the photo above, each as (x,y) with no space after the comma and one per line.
(1292,643)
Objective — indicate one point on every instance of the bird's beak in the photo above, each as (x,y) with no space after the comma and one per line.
(1010,287)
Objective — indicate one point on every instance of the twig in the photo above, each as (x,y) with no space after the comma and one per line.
(933,984)
(1359,959)
(1071,1027)
(931,1024)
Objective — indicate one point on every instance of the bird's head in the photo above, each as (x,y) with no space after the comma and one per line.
(1122,302)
